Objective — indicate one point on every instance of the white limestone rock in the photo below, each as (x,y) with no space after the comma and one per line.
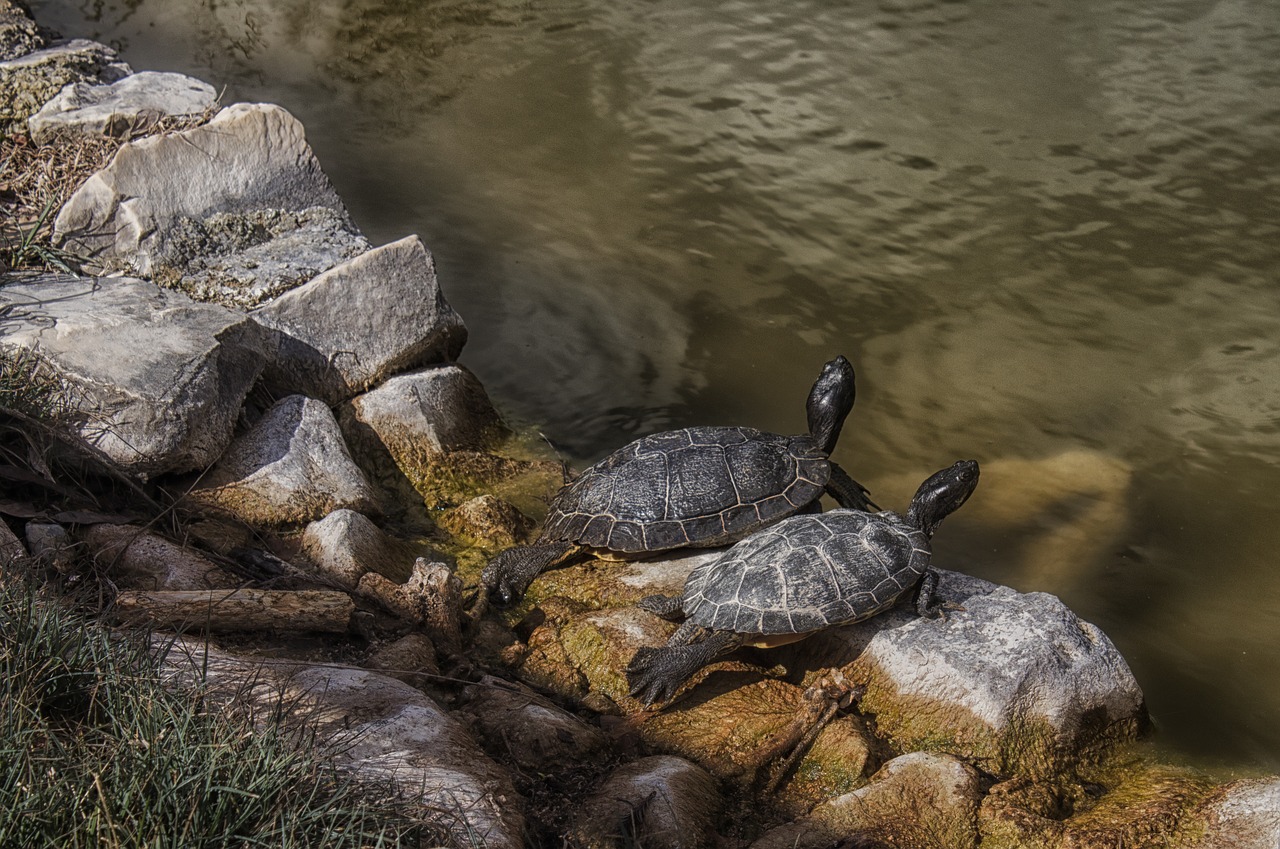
(125,107)
(159,378)
(289,468)
(427,413)
(250,156)
(345,545)
(29,81)
(361,322)
(1014,682)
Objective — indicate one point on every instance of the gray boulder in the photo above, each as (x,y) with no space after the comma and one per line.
(1014,682)
(135,558)
(51,545)
(122,108)
(361,322)
(379,729)
(1243,814)
(159,378)
(289,468)
(250,156)
(30,80)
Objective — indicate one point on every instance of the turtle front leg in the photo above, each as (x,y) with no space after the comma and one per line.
(654,675)
(848,492)
(509,574)
(669,607)
(928,605)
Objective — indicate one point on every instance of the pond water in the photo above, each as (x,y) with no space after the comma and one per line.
(1046,233)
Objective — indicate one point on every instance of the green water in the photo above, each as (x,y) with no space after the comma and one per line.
(1047,234)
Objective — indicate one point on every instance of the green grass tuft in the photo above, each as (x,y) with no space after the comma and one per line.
(94,752)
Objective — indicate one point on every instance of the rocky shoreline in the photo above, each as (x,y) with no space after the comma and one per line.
(234,341)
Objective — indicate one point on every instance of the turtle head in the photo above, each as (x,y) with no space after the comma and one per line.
(830,401)
(939,496)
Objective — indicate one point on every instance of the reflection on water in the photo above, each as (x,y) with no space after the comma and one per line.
(1046,234)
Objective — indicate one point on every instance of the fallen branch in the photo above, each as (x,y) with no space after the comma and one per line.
(238,610)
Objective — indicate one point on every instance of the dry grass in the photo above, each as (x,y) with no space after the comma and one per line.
(35,181)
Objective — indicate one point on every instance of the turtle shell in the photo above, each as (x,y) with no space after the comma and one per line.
(807,573)
(696,487)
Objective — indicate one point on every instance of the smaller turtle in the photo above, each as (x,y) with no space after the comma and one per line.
(698,487)
(798,576)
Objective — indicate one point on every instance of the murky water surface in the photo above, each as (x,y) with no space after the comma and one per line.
(1047,234)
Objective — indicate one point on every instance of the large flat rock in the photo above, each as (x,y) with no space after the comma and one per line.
(121,108)
(250,156)
(159,377)
(30,80)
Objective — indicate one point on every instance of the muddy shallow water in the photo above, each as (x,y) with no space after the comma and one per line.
(1046,234)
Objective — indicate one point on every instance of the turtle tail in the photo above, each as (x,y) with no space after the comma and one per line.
(508,575)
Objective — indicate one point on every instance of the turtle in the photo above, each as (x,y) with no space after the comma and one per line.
(698,487)
(799,576)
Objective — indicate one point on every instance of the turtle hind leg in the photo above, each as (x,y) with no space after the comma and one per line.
(669,607)
(654,675)
(509,574)
(848,492)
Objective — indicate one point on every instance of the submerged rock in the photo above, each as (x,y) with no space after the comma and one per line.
(124,108)
(159,378)
(290,468)
(661,802)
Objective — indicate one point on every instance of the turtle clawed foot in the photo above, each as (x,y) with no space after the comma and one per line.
(939,610)
(645,681)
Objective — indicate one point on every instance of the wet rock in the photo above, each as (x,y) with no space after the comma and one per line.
(742,729)
(431,597)
(604,583)
(359,323)
(246,259)
(123,108)
(378,729)
(291,467)
(248,157)
(530,731)
(18,32)
(345,545)
(1243,814)
(409,659)
(1014,682)
(159,377)
(135,558)
(30,80)
(920,799)
(488,521)
(662,802)
(1127,805)
(51,545)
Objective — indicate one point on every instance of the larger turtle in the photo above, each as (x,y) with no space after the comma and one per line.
(698,487)
(799,576)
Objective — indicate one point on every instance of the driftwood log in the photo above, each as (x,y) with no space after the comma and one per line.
(238,610)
